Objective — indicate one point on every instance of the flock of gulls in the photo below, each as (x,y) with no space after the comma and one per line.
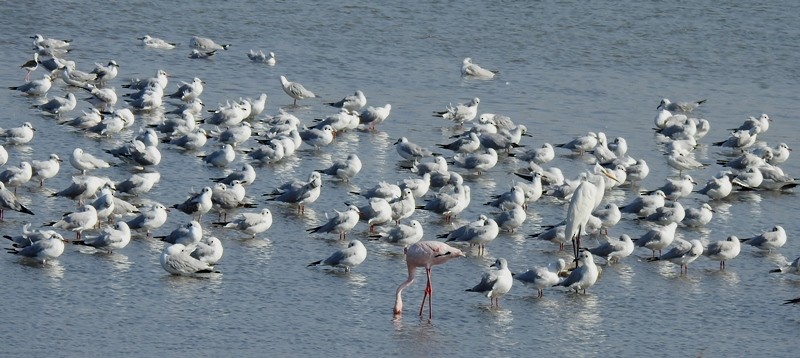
(242,135)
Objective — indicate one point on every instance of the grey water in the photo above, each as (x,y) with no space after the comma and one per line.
(566,68)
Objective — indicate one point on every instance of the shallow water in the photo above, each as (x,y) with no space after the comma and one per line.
(566,68)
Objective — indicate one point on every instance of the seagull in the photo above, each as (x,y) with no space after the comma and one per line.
(186,234)
(60,105)
(460,113)
(317,137)
(107,72)
(373,116)
(39,40)
(352,256)
(666,214)
(411,151)
(682,161)
(683,253)
(479,232)
(401,235)
(761,123)
(584,276)
(351,103)
(717,187)
(103,98)
(197,54)
(345,169)
(773,239)
(581,144)
(382,190)
(340,224)
(138,153)
(78,221)
(177,260)
(49,248)
(419,186)
(149,219)
(260,57)
(543,276)
(45,169)
(675,189)
(8,201)
(684,107)
(698,217)
(209,250)
(511,219)
(154,42)
(377,211)
(112,238)
(29,237)
(252,223)
(203,43)
(189,91)
(467,144)
(295,90)
(658,238)
(257,105)
(541,155)
(138,184)
(222,157)
(84,187)
(36,87)
(508,200)
(17,176)
(614,250)
(197,203)
(299,192)
(723,250)
(469,69)
(793,267)
(495,284)
(234,135)
(246,175)
(739,140)
(159,80)
(479,162)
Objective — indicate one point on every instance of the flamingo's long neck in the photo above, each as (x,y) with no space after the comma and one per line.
(398,302)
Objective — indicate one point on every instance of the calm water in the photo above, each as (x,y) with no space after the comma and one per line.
(567,67)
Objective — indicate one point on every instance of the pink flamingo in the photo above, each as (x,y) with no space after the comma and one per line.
(424,254)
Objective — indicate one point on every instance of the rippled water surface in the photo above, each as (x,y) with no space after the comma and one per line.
(566,67)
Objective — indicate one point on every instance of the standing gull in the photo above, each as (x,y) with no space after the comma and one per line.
(683,253)
(542,277)
(252,223)
(8,201)
(295,90)
(723,250)
(352,256)
(402,235)
(340,224)
(614,250)
(584,276)
(495,284)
